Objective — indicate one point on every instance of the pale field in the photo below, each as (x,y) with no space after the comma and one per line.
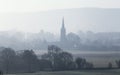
(82,72)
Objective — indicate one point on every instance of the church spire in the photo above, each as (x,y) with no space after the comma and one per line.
(63,24)
(63,32)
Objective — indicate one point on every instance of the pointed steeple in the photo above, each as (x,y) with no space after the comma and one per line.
(63,24)
(63,31)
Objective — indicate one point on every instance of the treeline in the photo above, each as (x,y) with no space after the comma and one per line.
(27,61)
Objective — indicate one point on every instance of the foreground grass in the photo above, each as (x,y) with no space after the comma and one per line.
(83,72)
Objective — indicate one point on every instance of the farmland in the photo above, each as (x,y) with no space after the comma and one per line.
(82,72)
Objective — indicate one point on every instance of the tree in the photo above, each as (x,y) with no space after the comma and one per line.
(59,59)
(89,65)
(118,63)
(73,40)
(109,65)
(8,59)
(81,63)
(45,65)
(1,73)
(30,60)
(66,61)
(53,55)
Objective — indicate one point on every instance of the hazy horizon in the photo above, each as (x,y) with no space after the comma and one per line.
(43,5)
(36,15)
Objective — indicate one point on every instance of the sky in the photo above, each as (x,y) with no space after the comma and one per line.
(23,6)
(45,5)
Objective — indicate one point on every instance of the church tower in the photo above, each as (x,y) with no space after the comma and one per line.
(63,32)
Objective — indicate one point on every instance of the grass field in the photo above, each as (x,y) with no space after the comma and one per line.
(83,72)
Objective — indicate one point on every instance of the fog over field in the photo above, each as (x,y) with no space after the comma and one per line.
(18,29)
(50,37)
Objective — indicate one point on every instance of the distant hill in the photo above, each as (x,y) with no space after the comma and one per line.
(94,19)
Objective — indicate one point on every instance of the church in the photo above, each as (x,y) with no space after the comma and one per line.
(67,41)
